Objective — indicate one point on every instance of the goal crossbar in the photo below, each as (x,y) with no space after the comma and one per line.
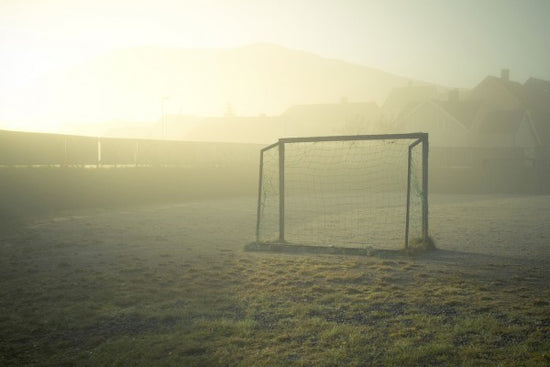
(313,139)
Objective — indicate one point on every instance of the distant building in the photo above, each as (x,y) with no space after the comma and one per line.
(506,128)
(537,99)
(332,119)
(515,115)
(447,122)
(299,120)
(401,100)
(237,129)
(498,112)
(491,130)
(499,93)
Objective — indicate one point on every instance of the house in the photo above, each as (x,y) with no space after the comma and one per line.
(537,97)
(446,122)
(402,99)
(237,129)
(299,120)
(537,93)
(499,93)
(507,139)
(506,128)
(511,137)
(496,136)
(332,119)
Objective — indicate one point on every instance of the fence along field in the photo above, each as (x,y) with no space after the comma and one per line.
(44,173)
(39,149)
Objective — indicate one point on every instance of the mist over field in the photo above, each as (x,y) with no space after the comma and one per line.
(310,183)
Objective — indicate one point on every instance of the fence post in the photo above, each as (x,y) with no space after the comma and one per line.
(65,152)
(136,152)
(98,156)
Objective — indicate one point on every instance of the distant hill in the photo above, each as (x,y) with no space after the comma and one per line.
(129,84)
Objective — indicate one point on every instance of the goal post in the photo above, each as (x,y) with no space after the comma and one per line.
(344,191)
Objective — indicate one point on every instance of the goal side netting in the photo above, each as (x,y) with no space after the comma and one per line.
(345,191)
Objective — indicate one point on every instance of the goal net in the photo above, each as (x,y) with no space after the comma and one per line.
(344,191)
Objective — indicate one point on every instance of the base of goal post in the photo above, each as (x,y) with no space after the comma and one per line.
(313,249)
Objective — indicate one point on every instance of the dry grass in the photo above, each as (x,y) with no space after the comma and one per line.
(114,304)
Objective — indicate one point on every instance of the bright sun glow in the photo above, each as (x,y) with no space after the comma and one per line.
(448,43)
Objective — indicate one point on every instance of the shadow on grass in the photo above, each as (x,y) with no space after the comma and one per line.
(332,250)
(429,253)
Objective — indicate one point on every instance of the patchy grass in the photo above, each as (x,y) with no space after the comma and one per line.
(96,304)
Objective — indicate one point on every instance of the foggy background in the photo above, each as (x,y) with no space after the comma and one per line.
(204,84)
(130,139)
(91,68)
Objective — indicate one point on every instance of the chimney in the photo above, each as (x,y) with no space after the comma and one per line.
(453,95)
(505,74)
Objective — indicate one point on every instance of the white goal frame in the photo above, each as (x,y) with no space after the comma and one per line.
(416,138)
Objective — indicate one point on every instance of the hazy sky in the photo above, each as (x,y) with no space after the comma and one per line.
(454,43)
(451,43)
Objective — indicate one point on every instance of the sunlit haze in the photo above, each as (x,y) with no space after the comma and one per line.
(275,182)
(448,43)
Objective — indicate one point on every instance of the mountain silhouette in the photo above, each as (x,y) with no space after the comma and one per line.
(140,84)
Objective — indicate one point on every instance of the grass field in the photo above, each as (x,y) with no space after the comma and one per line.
(172,286)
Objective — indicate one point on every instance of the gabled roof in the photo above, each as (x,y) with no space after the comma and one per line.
(331,110)
(489,88)
(541,120)
(464,111)
(401,98)
(502,122)
(537,85)
(537,93)
(259,129)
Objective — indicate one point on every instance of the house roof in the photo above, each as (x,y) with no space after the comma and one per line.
(332,110)
(487,91)
(401,98)
(331,107)
(464,111)
(537,93)
(502,122)
(537,85)
(237,129)
(541,120)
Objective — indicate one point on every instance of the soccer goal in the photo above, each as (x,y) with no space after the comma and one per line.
(357,191)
